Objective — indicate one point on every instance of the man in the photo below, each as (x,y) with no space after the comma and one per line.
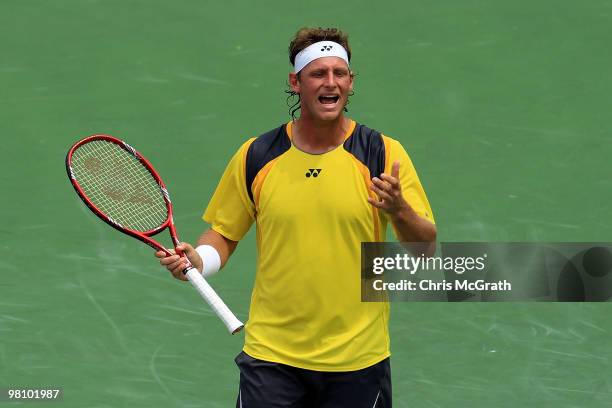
(316,188)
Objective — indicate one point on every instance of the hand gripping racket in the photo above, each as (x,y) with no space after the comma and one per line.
(122,188)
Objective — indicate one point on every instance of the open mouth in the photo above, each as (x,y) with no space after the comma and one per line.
(329,99)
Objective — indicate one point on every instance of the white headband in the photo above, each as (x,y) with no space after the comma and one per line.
(319,50)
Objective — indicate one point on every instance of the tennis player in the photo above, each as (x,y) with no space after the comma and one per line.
(316,188)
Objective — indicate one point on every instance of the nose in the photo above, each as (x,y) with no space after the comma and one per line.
(330,79)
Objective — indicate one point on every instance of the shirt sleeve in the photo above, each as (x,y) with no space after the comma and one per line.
(412,190)
(230,211)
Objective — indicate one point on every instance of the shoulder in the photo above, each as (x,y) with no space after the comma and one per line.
(263,149)
(268,145)
(368,146)
(363,138)
(374,149)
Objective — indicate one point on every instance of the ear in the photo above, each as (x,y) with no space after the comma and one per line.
(351,84)
(294,82)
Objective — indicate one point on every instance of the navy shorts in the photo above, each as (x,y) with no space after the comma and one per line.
(272,385)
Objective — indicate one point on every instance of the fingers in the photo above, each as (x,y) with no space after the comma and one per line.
(376,203)
(395,169)
(382,189)
(162,254)
(194,257)
(167,260)
(388,189)
(174,263)
(179,263)
(185,249)
(177,269)
(383,184)
(393,180)
(184,255)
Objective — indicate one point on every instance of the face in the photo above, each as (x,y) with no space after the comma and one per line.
(324,86)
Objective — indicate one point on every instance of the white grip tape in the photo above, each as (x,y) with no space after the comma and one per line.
(210,296)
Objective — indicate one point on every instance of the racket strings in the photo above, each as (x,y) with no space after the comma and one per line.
(119,185)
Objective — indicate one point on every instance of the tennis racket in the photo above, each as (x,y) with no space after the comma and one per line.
(123,189)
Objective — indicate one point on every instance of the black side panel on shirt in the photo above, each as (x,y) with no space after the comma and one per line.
(368,147)
(264,149)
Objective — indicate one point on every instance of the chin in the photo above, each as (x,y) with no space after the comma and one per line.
(329,116)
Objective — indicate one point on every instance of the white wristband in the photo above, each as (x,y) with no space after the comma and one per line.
(210,259)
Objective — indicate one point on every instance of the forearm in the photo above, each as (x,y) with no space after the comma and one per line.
(410,227)
(224,246)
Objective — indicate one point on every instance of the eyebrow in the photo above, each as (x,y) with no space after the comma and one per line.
(322,70)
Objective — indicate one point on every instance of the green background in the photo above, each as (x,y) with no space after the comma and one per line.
(503,106)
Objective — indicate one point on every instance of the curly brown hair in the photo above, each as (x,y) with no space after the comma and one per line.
(307,36)
(304,37)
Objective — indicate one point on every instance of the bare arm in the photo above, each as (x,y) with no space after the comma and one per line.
(409,227)
(176,264)
(225,247)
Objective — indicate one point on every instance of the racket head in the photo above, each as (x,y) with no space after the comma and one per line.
(120,186)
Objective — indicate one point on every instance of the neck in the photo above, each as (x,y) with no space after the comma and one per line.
(318,137)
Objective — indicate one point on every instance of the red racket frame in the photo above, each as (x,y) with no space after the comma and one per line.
(225,314)
(140,235)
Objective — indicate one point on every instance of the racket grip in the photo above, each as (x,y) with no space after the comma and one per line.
(214,301)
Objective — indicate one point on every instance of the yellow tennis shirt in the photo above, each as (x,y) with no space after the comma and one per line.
(312,216)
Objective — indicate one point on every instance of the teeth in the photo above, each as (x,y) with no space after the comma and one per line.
(329,99)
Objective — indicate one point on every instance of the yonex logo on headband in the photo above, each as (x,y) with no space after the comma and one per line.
(319,50)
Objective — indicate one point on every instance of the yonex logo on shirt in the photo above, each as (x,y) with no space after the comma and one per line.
(313,172)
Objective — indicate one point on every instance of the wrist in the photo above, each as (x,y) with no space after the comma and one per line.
(404,213)
(211,260)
